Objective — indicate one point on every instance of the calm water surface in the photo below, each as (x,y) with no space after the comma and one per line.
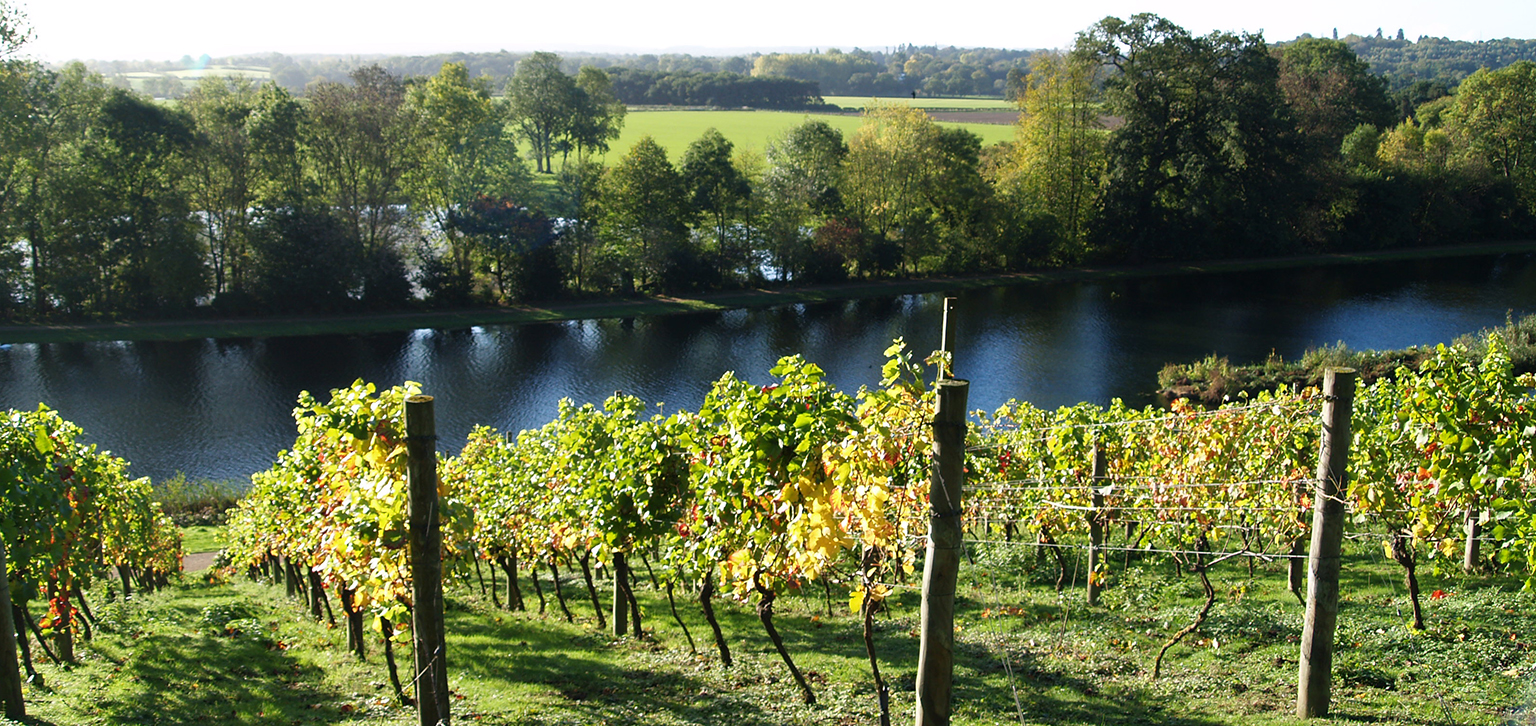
(222,408)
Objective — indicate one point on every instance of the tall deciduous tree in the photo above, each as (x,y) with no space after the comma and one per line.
(646,216)
(543,103)
(462,131)
(598,115)
(915,186)
(1058,158)
(223,181)
(1331,92)
(1206,160)
(802,186)
(360,147)
(717,192)
(1496,117)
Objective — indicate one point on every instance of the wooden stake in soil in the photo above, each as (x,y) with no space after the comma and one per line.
(1316,662)
(941,568)
(426,563)
(1096,528)
(10,672)
(947,337)
(620,595)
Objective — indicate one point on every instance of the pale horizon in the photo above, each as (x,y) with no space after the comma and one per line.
(165,30)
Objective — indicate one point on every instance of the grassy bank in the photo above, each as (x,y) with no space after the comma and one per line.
(664,305)
(1216,379)
(242,653)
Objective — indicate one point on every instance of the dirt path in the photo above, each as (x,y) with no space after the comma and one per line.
(197,561)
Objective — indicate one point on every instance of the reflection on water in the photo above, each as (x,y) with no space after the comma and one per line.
(223,408)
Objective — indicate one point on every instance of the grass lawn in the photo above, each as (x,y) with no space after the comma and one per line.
(206,538)
(242,653)
(964,104)
(674,130)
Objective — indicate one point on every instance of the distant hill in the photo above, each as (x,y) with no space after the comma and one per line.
(1405,62)
(930,70)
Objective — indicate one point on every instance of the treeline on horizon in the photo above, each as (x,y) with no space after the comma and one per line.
(1417,70)
(386,193)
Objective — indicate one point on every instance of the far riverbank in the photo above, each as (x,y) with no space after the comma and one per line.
(264,327)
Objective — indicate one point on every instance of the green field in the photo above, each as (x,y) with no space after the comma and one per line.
(965,104)
(674,130)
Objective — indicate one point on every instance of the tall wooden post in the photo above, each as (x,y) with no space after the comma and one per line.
(1314,679)
(10,672)
(1096,527)
(941,568)
(620,597)
(1471,556)
(947,336)
(426,563)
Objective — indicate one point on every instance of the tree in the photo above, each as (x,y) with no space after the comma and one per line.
(887,175)
(914,186)
(360,147)
(1496,118)
(514,245)
(801,184)
(543,102)
(1058,158)
(577,201)
(646,216)
(718,192)
(463,132)
(147,245)
(223,180)
(1206,158)
(598,115)
(1330,92)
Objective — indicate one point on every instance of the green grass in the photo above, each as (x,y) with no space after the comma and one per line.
(202,538)
(955,104)
(674,130)
(170,658)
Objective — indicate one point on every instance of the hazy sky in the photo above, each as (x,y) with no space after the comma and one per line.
(169,29)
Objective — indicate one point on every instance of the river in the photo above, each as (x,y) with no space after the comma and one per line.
(222,408)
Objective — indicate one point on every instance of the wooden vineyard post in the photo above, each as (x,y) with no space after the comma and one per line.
(1096,527)
(10,672)
(941,567)
(620,597)
(1471,556)
(947,337)
(426,563)
(1316,662)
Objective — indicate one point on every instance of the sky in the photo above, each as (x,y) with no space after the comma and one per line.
(170,29)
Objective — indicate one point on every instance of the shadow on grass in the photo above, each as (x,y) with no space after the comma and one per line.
(158,666)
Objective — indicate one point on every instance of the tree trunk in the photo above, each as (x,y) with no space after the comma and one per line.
(126,578)
(882,692)
(480,577)
(560,593)
(496,591)
(26,617)
(533,574)
(706,595)
(765,600)
(1402,553)
(388,630)
(597,604)
(672,603)
(19,618)
(64,627)
(1210,599)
